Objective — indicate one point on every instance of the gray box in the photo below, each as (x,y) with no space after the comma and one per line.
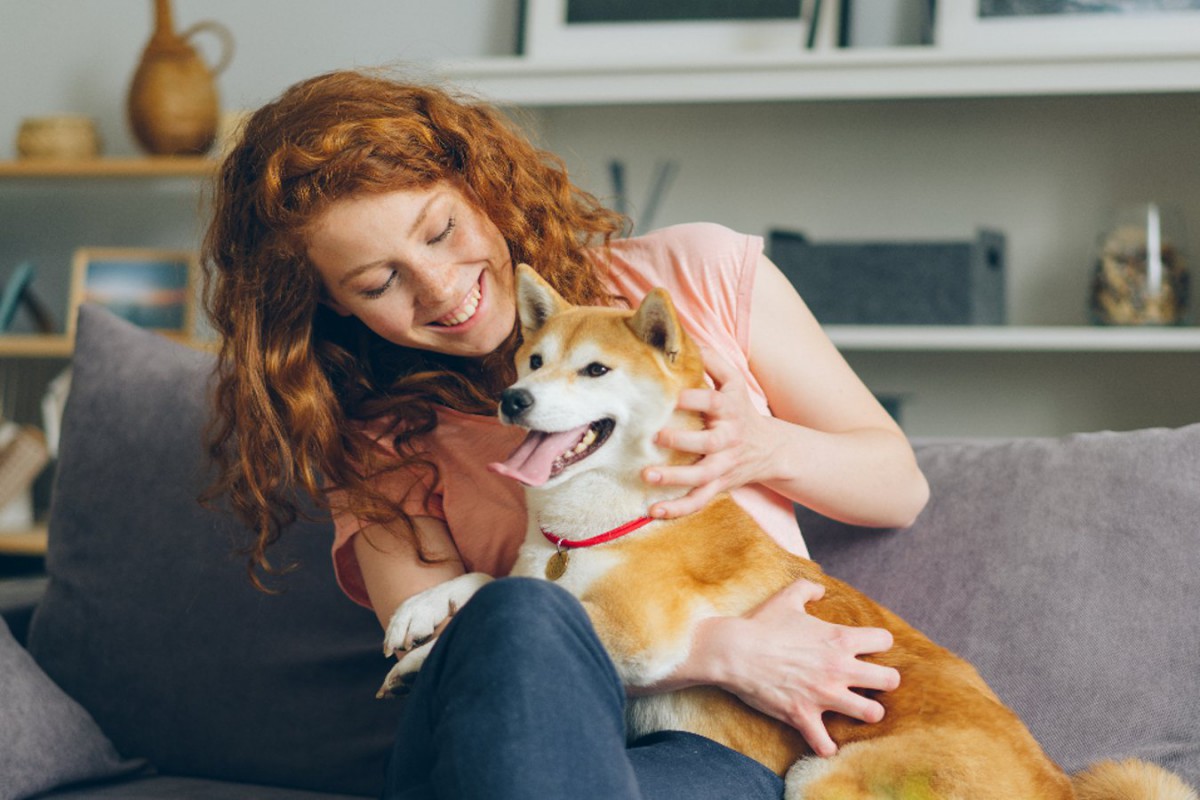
(896,283)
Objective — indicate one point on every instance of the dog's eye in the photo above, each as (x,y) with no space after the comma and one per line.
(595,369)
(535,361)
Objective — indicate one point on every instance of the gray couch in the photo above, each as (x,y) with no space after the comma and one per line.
(1068,570)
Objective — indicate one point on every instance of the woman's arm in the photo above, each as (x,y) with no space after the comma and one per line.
(830,445)
(789,665)
(391,570)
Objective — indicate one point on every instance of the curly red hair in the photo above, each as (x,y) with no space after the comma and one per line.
(296,382)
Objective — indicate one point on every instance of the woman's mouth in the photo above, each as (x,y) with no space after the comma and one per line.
(465,310)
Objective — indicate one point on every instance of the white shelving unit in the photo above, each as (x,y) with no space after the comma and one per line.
(901,73)
(1014,339)
(1035,142)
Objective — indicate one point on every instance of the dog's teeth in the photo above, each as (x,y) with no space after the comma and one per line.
(588,438)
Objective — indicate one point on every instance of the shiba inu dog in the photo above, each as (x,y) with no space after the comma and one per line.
(595,385)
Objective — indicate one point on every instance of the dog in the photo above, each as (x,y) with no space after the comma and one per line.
(594,386)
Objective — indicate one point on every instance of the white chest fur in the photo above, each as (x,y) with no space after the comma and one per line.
(584,565)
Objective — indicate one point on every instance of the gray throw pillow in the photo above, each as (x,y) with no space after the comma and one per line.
(149,619)
(47,740)
(1068,571)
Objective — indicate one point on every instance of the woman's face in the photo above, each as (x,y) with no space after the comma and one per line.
(422,268)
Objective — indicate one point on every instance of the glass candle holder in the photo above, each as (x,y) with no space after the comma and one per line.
(1140,276)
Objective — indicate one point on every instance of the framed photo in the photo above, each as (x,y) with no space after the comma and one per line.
(153,289)
(1066,26)
(641,31)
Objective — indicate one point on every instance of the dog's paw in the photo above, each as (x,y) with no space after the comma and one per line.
(420,618)
(403,673)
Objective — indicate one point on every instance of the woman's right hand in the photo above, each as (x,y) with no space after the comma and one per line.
(793,666)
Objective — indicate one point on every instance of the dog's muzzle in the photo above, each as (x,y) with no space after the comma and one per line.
(515,402)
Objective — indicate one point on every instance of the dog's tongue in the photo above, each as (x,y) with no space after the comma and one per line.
(533,459)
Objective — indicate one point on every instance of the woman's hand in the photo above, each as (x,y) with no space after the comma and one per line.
(735,445)
(793,666)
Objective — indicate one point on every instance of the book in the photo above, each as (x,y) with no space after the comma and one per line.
(14,290)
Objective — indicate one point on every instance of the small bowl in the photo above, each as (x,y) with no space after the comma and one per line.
(67,137)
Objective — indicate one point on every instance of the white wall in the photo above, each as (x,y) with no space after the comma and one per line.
(79,55)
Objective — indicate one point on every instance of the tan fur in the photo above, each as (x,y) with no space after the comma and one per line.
(1129,778)
(945,735)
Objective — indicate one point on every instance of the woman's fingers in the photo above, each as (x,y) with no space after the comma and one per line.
(813,731)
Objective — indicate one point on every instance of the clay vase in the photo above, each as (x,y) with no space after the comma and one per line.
(173,105)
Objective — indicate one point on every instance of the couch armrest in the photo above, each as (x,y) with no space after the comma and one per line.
(18,598)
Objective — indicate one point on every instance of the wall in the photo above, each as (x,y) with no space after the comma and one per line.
(79,55)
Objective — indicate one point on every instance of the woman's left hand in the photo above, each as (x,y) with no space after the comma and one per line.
(734,444)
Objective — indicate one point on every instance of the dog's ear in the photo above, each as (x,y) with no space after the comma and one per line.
(656,324)
(536,300)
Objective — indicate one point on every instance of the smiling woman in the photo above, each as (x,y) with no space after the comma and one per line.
(361,265)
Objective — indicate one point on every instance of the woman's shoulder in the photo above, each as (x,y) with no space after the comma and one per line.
(689,237)
(686,251)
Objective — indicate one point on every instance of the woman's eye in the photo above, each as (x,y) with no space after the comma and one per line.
(445,232)
(535,361)
(595,369)
(378,291)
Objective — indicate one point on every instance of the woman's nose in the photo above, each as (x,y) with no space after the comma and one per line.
(431,284)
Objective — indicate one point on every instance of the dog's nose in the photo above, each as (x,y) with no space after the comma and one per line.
(515,402)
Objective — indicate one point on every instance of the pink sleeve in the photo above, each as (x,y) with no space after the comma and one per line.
(418,501)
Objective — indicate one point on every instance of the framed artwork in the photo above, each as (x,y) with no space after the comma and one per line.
(1065,26)
(641,31)
(153,289)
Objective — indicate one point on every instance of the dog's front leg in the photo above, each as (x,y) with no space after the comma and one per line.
(415,624)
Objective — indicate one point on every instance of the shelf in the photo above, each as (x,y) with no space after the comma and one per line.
(916,72)
(25,543)
(62,346)
(148,167)
(1014,339)
(35,346)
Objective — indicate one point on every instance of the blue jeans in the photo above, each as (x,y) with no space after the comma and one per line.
(519,701)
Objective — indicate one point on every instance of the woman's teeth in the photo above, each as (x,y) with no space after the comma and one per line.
(464,312)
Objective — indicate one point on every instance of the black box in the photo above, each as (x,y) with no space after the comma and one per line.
(896,283)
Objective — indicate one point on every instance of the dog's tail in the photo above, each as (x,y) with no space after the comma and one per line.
(1129,780)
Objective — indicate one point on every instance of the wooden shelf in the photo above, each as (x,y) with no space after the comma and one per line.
(35,346)
(134,167)
(1015,339)
(62,346)
(25,543)
(891,73)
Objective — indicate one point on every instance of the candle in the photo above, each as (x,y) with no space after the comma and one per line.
(1154,263)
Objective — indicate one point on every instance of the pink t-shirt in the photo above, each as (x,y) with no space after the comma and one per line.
(709,272)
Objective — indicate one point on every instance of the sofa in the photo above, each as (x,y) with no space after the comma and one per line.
(1067,570)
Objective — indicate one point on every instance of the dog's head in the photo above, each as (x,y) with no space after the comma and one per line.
(595,385)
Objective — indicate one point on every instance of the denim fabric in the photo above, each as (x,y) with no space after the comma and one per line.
(518,700)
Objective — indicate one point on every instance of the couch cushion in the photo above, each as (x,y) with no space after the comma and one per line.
(1068,571)
(174,788)
(46,738)
(149,619)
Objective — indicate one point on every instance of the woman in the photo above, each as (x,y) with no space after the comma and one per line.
(361,279)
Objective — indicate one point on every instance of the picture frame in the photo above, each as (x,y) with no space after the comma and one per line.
(658,31)
(151,288)
(1066,26)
